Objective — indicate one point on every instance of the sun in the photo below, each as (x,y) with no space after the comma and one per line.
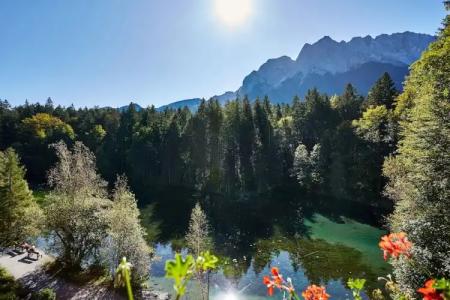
(233,12)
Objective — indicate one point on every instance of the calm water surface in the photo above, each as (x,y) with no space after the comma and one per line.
(311,241)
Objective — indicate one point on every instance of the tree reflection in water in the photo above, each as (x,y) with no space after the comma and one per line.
(253,233)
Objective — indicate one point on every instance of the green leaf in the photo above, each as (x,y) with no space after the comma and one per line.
(356,285)
(179,270)
(207,261)
(443,285)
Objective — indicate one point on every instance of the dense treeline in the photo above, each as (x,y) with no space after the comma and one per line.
(235,149)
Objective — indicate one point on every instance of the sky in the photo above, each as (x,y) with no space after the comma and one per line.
(112,52)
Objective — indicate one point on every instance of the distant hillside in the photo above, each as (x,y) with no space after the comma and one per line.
(136,106)
(192,104)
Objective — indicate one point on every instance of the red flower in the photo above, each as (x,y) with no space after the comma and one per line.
(430,293)
(269,283)
(314,292)
(395,244)
(278,282)
(277,277)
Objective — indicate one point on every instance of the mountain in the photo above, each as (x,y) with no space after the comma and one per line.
(124,108)
(192,104)
(329,65)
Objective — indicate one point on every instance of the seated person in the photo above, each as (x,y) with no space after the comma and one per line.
(33,250)
(24,246)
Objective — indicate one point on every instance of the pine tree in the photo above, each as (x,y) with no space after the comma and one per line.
(215,123)
(170,155)
(231,147)
(419,175)
(20,216)
(264,147)
(246,146)
(383,92)
(196,140)
(348,104)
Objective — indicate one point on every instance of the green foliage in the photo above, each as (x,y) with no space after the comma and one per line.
(443,286)
(44,126)
(197,237)
(356,285)
(383,92)
(206,261)
(348,104)
(419,173)
(126,236)
(123,275)
(237,149)
(375,125)
(181,270)
(44,294)
(20,216)
(150,225)
(77,206)
(307,165)
(9,288)
(86,226)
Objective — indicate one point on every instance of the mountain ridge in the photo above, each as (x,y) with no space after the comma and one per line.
(326,64)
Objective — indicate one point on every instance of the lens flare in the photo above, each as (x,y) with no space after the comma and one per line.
(233,12)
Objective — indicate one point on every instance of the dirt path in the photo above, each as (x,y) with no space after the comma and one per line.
(19,265)
(30,273)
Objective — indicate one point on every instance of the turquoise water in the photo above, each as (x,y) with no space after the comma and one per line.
(330,252)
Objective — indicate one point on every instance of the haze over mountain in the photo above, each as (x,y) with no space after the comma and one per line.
(328,65)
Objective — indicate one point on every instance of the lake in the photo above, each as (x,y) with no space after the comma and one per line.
(310,239)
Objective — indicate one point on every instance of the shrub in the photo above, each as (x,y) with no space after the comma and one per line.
(8,286)
(44,294)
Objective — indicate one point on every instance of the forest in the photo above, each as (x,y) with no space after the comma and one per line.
(239,149)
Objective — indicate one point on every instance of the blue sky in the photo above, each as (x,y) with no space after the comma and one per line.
(111,52)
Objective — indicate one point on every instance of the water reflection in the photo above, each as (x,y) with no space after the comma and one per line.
(311,239)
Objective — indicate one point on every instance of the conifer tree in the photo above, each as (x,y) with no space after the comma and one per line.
(231,147)
(264,150)
(383,92)
(246,146)
(348,104)
(20,216)
(196,139)
(215,124)
(419,175)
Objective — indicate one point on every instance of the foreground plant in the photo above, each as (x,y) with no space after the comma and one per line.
(277,281)
(395,245)
(356,285)
(123,276)
(181,270)
(313,292)
(436,289)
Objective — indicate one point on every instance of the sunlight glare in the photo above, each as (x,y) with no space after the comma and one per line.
(233,12)
(230,296)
